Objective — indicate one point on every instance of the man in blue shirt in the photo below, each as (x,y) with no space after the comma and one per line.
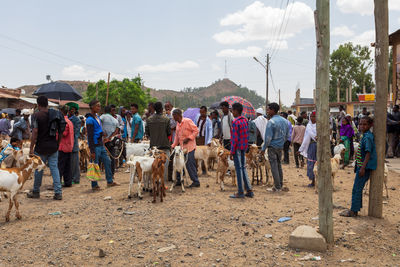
(137,124)
(276,134)
(95,140)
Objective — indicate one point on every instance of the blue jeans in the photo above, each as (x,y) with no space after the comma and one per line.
(241,173)
(52,162)
(191,167)
(101,155)
(359,183)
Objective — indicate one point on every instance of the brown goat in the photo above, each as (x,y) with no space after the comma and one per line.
(158,176)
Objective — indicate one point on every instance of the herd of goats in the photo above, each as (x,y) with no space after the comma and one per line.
(148,164)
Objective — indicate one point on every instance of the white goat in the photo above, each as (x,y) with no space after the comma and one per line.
(13,179)
(179,166)
(143,166)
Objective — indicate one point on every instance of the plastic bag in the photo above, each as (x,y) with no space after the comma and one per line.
(93,172)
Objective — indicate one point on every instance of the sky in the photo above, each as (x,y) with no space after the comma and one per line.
(176,43)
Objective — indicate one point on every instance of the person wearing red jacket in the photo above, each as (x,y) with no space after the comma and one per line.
(65,150)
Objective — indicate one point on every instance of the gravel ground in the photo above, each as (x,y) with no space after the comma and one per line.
(201,227)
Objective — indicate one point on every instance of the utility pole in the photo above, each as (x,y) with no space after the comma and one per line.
(279,94)
(108,88)
(267,84)
(325,187)
(381,76)
(266,67)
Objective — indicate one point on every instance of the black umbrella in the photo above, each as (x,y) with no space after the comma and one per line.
(9,111)
(215,105)
(58,90)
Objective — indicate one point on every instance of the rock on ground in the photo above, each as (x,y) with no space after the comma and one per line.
(306,237)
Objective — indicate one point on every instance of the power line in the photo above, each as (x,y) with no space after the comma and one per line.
(274,27)
(280,28)
(284,31)
(30,55)
(272,79)
(49,52)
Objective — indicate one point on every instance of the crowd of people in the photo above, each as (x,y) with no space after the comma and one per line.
(54,136)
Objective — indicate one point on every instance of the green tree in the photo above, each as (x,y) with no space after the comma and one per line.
(350,65)
(121,93)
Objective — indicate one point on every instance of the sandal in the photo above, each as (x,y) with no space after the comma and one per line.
(311,185)
(348,213)
(237,195)
(96,188)
(249,194)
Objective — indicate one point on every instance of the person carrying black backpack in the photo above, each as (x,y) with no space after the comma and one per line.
(47,128)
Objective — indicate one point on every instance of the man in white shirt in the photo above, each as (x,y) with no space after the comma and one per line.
(111,128)
(261,123)
(226,125)
(204,125)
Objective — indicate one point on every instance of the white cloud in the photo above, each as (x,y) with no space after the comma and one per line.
(342,31)
(259,22)
(216,67)
(363,7)
(169,67)
(398,20)
(278,45)
(250,51)
(77,72)
(364,39)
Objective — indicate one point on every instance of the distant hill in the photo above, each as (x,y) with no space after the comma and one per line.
(188,97)
(81,86)
(196,97)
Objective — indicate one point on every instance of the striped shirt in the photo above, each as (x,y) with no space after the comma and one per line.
(239,134)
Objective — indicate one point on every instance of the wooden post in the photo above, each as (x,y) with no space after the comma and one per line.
(108,88)
(338,91)
(381,77)
(323,133)
(280,104)
(267,84)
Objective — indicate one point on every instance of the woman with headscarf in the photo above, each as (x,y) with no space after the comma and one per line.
(308,148)
(346,137)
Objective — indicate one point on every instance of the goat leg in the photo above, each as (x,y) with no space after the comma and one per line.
(252,175)
(173,180)
(17,214)
(10,205)
(154,188)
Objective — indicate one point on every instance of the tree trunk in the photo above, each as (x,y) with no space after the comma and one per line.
(347,95)
(381,77)
(338,91)
(323,141)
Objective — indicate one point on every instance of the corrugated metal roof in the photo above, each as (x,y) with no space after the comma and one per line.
(33,101)
(8,96)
